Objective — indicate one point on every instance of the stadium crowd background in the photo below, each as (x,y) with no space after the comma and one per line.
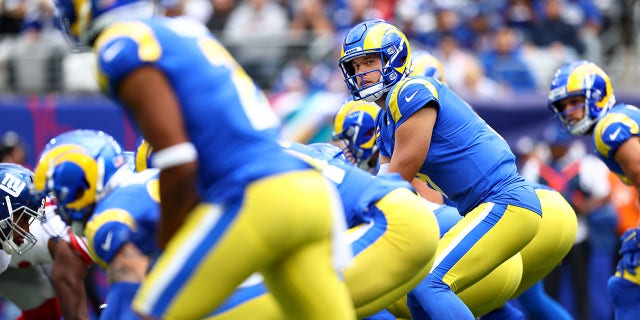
(489,49)
(498,54)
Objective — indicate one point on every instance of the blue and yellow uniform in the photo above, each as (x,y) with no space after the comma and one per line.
(392,232)
(261,208)
(382,236)
(474,167)
(128,214)
(553,240)
(581,98)
(620,124)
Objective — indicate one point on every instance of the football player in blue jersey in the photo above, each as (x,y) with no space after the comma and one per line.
(542,252)
(96,191)
(383,216)
(247,201)
(378,233)
(582,99)
(427,132)
(552,242)
(354,131)
(392,232)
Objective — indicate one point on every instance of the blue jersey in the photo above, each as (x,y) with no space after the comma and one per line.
(620,124)
(228,118)
(129,213)
(358,189)
(467,161)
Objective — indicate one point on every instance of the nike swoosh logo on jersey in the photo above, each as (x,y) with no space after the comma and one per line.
(614,134)
(409,98)
(106,245)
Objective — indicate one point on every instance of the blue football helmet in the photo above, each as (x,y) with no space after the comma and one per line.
(79,168)
(425,64)
(581,78)
(355,125)
(143,154)
(83,20)
(375,37)
(19,207)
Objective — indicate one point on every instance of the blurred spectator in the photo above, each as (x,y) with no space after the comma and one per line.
(543,62)
(256,34)
(74,79)
(551,29)
(36,58)
(386,8)
(482,26)
(505,64)
(590,23)
(12,14)
(312,30)
(448,23)
(200,10)
(476,85)
(625,200)
(221,9)
(12,149)
(414,18)
(171,8)
(347,13)
(310,17)
(454,59)
(520,15)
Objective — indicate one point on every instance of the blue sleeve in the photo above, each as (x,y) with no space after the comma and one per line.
(117,58)
(109,238)
(412,96)
(119,300)
(615,135)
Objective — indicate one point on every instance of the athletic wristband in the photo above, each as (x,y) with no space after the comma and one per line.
(174,155)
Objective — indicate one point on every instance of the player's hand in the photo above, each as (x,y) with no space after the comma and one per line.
(629,251)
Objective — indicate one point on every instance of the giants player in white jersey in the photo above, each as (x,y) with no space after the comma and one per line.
(43,263)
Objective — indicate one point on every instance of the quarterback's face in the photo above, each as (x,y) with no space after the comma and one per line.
(364,65)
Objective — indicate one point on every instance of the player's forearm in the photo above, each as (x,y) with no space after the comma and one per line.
(72,304)
(407,167)
(426,192)
(129,265)
(179,196)
(68,280)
